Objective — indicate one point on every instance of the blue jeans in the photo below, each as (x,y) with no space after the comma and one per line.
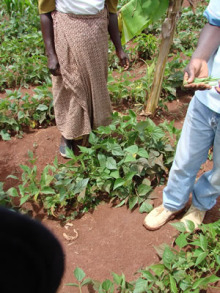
(201,130)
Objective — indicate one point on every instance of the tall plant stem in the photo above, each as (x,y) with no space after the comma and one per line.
(168,30)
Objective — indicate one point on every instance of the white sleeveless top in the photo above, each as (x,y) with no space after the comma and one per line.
(86,7)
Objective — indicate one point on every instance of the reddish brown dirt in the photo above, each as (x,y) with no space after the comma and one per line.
(109,239)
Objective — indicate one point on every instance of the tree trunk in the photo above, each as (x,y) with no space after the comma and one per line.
(168,30)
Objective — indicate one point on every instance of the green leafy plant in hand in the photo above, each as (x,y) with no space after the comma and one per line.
(208,80)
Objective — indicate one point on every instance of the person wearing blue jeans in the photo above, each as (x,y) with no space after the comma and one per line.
(201,130)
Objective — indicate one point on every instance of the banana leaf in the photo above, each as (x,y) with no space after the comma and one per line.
(136,15)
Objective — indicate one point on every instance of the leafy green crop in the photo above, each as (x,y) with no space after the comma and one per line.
(17,111)
(23,61)
(17,6)
(124,162)
(191,267)
(145,45)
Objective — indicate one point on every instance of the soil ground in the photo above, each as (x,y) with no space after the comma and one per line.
(108,239)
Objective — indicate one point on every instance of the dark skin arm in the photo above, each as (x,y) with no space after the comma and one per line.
(115,37)
(208,43)
(48,37)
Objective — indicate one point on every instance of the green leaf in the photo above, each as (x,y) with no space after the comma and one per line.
(117,278)
(102,160)
(107,186)
(179,226)
(115,174)
(129,158)
(79,274)
(12,176)
(137,15)
(203,242)
(5,135)
(12,192)
(200,258)
(143,153)
(86,150)
(203,282)
(190,225)
(42,107)
(20,115)
(69,153)
(72,284)
(117,150)
(24,199)
(93,139)
(118,182)
(141,286)
(47,190)
(81,185)
(132,202)
(120,204)
(145,207)
(111,163)
(86,282)
(25,168)
(158,269)
(81,195)
(181,240)
(168,257)
(147,275)
(107,285)
(143,189)
(173,286)
(129,176)
(132,149)
(21,189)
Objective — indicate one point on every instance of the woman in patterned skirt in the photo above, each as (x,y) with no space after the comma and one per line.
(75,34)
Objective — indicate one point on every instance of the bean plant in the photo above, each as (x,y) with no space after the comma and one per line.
(191,266)
(125,161)
(18,111)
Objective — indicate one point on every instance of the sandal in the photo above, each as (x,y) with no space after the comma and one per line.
(66,143)
(73,145)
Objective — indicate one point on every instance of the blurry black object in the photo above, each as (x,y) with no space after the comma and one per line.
(31,258)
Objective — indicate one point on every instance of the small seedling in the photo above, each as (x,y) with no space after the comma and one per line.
(80,277)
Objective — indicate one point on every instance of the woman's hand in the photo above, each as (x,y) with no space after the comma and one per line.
(53,64)
(123,59)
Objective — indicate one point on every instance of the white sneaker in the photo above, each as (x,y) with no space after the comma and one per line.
(194,215)
(158,217)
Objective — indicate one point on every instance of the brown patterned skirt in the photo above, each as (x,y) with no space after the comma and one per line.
(81,99)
